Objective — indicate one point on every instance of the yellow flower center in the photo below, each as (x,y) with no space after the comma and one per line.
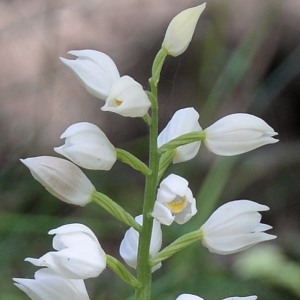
(118,102)
(177,205)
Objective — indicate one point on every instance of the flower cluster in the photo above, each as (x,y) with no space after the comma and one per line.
(233,227)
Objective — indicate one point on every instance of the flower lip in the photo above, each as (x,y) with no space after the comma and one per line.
(178,204)
(127,98)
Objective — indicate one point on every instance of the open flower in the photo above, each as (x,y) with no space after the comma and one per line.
(194,297)
(99,74)
(61,178)
(130,242)
(238,133)
(87,146)
(78,256)
(181,29)
(183,121)
(235,226)
(48,285)
(127,98)
(174,201)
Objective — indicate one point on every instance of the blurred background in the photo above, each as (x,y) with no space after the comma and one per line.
(244,57)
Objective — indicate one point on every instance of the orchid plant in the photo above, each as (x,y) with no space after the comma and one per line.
(233,227)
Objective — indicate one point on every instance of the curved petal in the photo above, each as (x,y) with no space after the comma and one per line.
(95,70)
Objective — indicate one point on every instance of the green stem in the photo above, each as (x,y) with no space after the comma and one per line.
(157,66)
(143,266)
(144,274)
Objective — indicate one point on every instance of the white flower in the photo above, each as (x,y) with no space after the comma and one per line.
(87,146)
(61,178)
(183,121)
(235,226)
(181,29)
(78,256)
(129,245)
(188,297)
(238,133)
(100,76)
(193,297)
(47,285)
(127,98)
(174,201)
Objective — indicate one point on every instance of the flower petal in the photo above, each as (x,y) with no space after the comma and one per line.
(95,69)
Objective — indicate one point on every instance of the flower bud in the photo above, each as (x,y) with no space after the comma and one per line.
(87,146)
(129,245)
(49,285)
(183,121)
(235,226)
(127,98)
(238,133)
(78,256)
(61,178)
(181,29)
(174,201)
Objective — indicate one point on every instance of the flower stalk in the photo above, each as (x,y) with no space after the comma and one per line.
(179,244)
(183,139)
(117,267)
(131,160)
(115,210)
